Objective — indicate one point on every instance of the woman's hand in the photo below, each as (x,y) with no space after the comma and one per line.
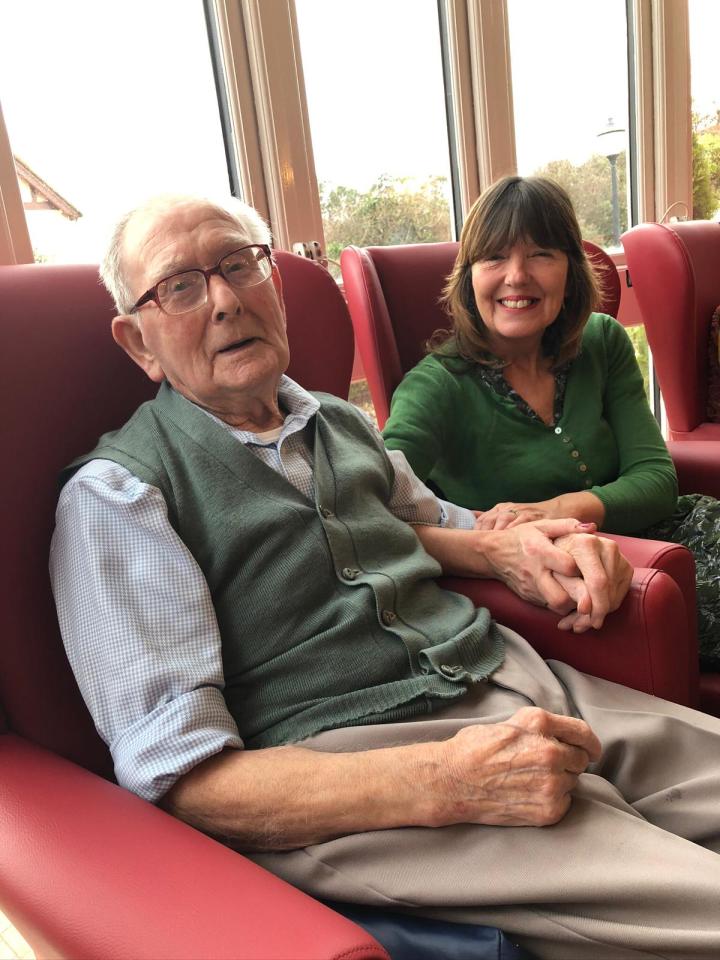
(583,506)
(510,514)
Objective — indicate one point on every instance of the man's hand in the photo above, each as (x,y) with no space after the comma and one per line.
(605,577)
(583,576)
(518,773)
(531,564)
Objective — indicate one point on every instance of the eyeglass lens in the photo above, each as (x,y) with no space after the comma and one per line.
(186,291)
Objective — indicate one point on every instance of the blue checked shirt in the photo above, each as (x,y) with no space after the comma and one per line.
(135,611)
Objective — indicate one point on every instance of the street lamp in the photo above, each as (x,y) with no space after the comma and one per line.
(612,144)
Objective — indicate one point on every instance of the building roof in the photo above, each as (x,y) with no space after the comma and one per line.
(43,195)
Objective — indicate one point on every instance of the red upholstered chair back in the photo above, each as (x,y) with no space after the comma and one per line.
(64,382)
(675,273)
(393,295)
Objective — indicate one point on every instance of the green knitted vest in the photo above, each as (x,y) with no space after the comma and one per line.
(328,611)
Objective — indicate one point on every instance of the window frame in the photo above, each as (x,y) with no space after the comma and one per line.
(15,245)
(267,117)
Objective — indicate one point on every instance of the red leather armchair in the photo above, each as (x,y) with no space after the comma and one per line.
(87,869)
(675,273)
(393,295)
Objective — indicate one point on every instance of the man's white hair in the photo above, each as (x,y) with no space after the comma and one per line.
(113,269)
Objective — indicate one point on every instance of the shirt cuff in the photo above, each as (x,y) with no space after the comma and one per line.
(459,518)
(167,743)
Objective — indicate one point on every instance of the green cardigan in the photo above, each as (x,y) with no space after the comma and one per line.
(479,449)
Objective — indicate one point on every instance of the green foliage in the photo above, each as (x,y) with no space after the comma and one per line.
(393,210)
(704,200)
(706,166)
(640,345)
(590,187)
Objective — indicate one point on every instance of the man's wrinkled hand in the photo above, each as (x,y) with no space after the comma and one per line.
(526,559)
(604,580)
(517,773)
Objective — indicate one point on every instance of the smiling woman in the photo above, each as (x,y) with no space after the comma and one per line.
(492,416)
(533,407)
(519,293)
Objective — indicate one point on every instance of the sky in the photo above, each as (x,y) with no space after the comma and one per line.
(109,101)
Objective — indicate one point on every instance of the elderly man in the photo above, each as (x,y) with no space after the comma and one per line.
(245,585)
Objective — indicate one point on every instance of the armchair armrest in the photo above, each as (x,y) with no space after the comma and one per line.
(88,870)
(644,644)
(697,463)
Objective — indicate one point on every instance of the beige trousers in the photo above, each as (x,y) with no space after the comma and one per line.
(632,871)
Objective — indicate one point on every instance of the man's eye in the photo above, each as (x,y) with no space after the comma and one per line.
(237,266)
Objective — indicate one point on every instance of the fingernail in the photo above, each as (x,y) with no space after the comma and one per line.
(587,526)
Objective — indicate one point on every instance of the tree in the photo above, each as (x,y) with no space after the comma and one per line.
(393,210)
(590,188)
(706,165)
(704,200)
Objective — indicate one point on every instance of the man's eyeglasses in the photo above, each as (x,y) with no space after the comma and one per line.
(183,292)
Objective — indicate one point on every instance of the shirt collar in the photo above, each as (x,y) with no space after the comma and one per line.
(300,405)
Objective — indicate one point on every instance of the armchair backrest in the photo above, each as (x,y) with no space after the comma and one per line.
(64,382)
(393,295)
(675,272)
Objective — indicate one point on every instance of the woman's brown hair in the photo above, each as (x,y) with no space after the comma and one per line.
(510,211)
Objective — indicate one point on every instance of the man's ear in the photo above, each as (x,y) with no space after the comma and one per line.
(277,283)
(127,333)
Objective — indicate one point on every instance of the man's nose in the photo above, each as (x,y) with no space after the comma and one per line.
(224,298)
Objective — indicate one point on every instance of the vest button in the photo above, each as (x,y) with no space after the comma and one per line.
(449,670)
(583,468)
(326,513)
(349,573)
(575,454)
(558,430)
(388,617)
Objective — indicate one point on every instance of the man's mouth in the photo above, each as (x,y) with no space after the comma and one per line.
(237,345)
(518,303)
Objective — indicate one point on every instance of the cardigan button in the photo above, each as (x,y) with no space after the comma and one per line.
(575,454)
(558,430)
(450,671)
(349,573)
(583,468)
(388,617)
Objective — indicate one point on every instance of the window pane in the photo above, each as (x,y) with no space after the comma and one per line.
(571,108)
(376,101)
(705,86)
(102,111)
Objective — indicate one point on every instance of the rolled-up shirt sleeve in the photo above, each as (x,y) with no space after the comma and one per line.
(139,629)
